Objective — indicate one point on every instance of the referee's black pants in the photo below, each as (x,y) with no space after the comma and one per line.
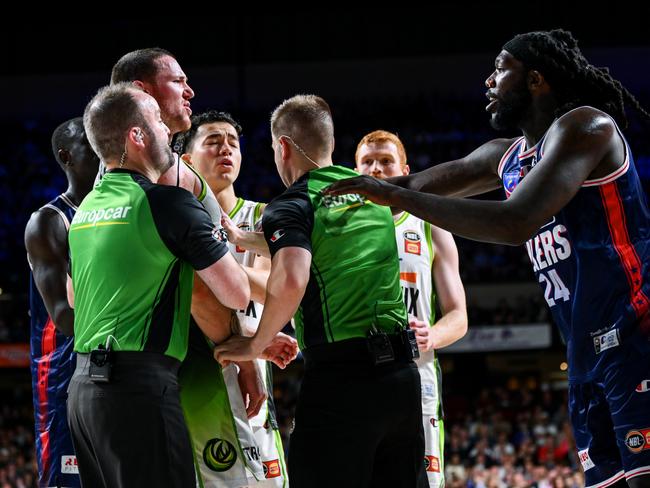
(130,432)
(357,425)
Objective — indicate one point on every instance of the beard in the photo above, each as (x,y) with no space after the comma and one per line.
(512,108)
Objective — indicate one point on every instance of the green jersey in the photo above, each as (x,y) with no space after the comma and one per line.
(133,245)
(354,276)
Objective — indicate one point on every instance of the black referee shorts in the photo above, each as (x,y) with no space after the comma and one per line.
(357,425)
(130,432)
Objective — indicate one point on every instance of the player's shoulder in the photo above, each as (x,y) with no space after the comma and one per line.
(44,221)
(583,121)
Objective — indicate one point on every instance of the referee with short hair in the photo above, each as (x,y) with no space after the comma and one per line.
(134,246)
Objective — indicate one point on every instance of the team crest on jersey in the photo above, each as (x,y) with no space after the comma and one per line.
(219,455)
(511,180)
(412,242)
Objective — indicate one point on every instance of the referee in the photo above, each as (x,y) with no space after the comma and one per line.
(133,248)
(358,417)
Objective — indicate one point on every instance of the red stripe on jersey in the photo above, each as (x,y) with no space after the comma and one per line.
(48,344)
(615,216)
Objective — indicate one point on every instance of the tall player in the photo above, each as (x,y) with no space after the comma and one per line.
(575,200)
(212,146)
(428,261)
(52,359)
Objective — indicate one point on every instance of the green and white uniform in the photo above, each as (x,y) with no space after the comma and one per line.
(416,255)
(247,215)
(231,450)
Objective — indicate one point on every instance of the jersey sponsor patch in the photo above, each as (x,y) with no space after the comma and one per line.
(585,460)
(278,234)
(93,217)
(69,465)
(431,464)
(643,386)
(340,203)
(638,440)
(412,242)
(606,341)
(272,468)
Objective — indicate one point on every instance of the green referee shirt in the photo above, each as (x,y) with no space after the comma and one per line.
(133,245)
(354,276)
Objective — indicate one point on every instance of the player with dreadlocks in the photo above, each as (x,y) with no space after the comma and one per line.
(575,200)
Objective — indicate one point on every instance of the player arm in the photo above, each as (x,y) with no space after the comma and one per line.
(474,174)
(46,243)
(449,291)
(287,228)
(250,240)
(258,276)
(185,228)
(286,287)
(575,146)
(69,291)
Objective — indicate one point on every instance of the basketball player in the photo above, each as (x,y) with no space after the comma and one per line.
(212,146)
(428,261)
(576,202)
(52,359)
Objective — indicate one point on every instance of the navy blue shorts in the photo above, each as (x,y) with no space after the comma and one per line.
(57,463)
(611,423)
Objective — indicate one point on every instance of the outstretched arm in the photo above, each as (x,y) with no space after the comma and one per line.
(474,174)
(46,241)
(575,146)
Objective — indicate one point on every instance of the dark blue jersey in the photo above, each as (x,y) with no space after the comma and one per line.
(52,365)
(592,260)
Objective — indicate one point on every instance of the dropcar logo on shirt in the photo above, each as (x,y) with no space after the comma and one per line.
(277,235)
(69,465)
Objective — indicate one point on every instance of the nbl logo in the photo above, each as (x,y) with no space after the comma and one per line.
(219,455)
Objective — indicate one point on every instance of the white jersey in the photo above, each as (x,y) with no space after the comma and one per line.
(246,215)
(416,254)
